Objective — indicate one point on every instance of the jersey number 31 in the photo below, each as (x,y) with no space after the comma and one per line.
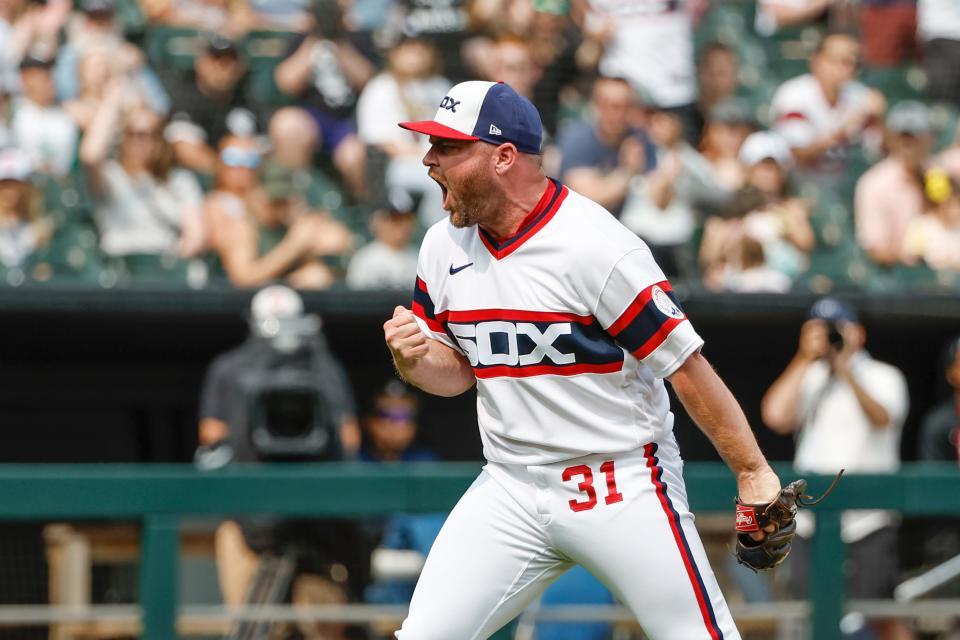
(586,485)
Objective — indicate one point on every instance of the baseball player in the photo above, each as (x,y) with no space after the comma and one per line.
(568,328)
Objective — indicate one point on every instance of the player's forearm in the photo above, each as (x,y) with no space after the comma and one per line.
(717,413)
(442,372)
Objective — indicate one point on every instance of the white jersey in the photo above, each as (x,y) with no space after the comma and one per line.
(569,326)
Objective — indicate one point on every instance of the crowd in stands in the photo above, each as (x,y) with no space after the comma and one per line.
(755,146)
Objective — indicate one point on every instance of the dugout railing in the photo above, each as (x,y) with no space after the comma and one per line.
(159,496)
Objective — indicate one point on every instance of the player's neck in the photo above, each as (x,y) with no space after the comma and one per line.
(515,208)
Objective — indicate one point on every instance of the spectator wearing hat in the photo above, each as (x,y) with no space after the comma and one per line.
(96,33)
(847,411)
(889,196)
(664,206)
(23,228)
(145,204)
(603,152)
(823,115)
(940,429)
(41,127)
(324,73)
(390,260)
(409,89)
(260,232)
(728,125)
(934,237)
(209,101)
(762,241)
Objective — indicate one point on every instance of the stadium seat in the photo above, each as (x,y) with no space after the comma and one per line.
(576,586)
(71,255)
(902,82)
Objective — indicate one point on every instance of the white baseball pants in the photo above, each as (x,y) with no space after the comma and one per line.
(622,516)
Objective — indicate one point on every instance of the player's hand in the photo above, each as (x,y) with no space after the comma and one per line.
(406,342)
(758,487)
(814,343)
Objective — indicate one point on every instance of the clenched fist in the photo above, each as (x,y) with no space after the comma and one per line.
(406,342)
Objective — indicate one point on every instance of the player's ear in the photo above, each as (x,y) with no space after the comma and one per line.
(504,157)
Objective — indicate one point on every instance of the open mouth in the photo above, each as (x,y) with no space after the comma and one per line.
(443,191)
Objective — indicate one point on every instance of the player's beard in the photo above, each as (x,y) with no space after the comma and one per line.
(477,200)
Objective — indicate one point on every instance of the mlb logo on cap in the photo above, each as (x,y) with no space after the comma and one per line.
(488,111)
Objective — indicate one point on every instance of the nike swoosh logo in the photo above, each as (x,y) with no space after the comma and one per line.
(454,271)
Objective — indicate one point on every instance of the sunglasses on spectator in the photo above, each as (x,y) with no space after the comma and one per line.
(395,415)
(240,157)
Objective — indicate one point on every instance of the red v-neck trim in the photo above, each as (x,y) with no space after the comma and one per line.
(553,196)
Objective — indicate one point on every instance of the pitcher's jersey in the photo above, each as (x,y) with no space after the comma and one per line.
(569,326)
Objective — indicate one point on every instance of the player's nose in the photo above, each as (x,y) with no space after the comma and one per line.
(430,157)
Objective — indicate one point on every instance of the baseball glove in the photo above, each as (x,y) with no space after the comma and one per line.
(781,513)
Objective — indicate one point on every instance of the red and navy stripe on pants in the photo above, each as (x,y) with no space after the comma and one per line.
(696,581)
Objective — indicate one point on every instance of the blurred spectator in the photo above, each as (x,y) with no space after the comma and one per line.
(934,237)
(651,45)
(146,205)
(96,27)
(889,29)
(940,429)
(848,411)
(294,141)
(390,260)
(511,61)
(23,228)
(230,17)
(763,242)
(325,73)
(9,49)
(41,127)
(718,71)
(390,427)
(938,26)
(408,90)
(554,41)
(95,72)
(209,102)
(389,432)
(889,196)
(773,15)
(600,156)
(824,113)
(263,232)
(38,26)
(663,207)
(727,126)
(444,23)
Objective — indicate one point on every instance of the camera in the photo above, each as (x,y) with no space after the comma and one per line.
(834,337)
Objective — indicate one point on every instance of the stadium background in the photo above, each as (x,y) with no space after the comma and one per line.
(105,357)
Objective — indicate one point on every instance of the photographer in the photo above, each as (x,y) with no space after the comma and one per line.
(282,397)
(847,410)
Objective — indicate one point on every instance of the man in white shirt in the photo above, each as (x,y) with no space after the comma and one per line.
(40,126)
(848,412)
(389,261)
(825,113)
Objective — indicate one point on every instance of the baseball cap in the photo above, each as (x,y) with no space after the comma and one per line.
(97,6)
(833,311)
(398,201)
(911,117)
(764,144)
(15,164)
(488,111)
(36,60)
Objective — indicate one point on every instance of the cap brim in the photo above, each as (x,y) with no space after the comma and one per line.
(431,128)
